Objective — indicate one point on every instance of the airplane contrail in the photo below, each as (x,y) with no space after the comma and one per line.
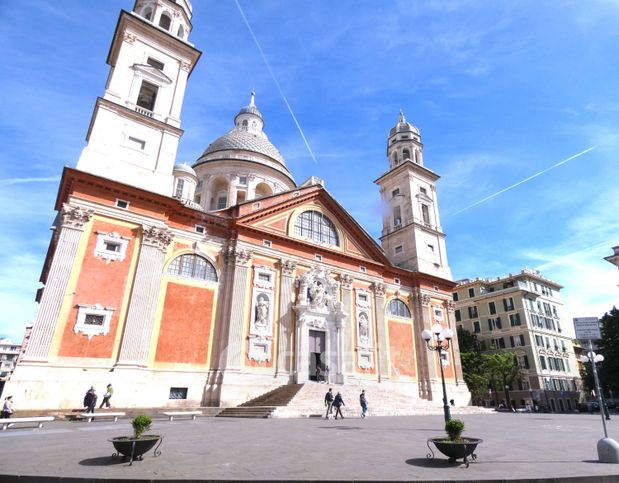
(279,88)
(494,195)
(11,181)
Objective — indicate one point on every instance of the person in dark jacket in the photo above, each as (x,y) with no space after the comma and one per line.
(329,403)
(90,400)
(338,402)
(364,404)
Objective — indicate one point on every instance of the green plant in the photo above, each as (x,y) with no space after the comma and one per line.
(454,428)
(141,424)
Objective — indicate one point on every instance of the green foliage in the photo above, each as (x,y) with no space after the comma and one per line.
(141,424)
(608,346)
(454,428)
(476,378)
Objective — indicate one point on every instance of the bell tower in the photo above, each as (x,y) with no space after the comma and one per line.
(412,236)
(135,127)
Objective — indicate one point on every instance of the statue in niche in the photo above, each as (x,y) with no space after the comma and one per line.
(364,329)
(317,294)
(261,320)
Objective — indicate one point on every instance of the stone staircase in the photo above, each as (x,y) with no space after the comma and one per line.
(307,400)
(263,406)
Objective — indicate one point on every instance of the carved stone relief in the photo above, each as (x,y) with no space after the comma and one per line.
(156,237)
(74,216)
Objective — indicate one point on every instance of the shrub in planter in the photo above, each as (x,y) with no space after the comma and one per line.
(135,446)
(455,446)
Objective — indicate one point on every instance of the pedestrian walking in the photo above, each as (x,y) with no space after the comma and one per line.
(90,400)
(364,404)
(317,373)
(109,390)
(7,408)
(338,402)
(329,403)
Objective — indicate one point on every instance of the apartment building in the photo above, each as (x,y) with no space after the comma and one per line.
(523,314)
(9,353)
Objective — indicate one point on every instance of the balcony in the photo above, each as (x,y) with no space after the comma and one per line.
(144,112)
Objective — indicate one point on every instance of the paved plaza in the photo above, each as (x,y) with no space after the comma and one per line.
(516,446)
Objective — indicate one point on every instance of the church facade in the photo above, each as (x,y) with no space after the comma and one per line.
(214,283)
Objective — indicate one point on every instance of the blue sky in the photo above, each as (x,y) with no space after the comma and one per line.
(500,91)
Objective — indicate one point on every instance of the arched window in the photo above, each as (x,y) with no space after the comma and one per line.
(314,225)
(147,13)
(395,158)
(398,308)
(417,156)
(165,21)
(406,154)
(181,31)
(193,266)
(245,124)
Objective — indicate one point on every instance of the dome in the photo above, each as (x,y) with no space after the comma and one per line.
(245,141)
(185,168)
(403,126)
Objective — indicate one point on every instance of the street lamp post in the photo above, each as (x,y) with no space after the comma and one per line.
(438,340)
(595,358)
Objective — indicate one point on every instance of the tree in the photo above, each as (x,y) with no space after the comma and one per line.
(472,365)
(609,348)
(503,368)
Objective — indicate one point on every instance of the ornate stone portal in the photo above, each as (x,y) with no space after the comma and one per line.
(320,311)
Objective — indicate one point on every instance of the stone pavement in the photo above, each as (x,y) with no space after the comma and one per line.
(543,447)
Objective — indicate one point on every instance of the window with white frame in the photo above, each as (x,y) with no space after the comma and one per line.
(193,266)
(111,246)
(93,320)
(316,226)
(438,313)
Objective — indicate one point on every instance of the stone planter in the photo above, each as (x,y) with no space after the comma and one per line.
(454,451)
(133,448)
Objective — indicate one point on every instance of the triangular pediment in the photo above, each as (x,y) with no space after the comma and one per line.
(152,73)
(278,214)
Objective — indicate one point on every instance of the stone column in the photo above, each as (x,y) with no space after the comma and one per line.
(285,333)
(234,349)
(140,320)
(382,356)
(426,361)
(72,220)
(349,353)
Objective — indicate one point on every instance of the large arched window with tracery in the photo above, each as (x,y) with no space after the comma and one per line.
(398,308)
(313,224)
(193,266)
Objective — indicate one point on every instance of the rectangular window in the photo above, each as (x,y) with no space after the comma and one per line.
(243,180)
(425,213)
(542,361)
(200,229)
(147,96)
(430,247)
(155,63)
(438,313)
(398,249)
(221,202)
(514,319)
(136,143)
(492,308)
(482,345)
(92,319)
(362,269)
(423,191)
(178,393)
(472,312)
(508,304)
(318,257)
(180,184)
(396,280)
(113,247)
(267,243)
(122,204)
(476,327)
(395,192)
(454,296)
(458,316)
(521,339)
(264,277)
(472,292)
(397,216)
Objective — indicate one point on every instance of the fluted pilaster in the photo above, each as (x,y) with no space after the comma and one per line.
(284,343)
(72,221)
(349,354)
(384,364)
(135,345)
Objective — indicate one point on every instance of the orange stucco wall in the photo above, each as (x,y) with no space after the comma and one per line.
(99,282)
(401,349)
(186,324)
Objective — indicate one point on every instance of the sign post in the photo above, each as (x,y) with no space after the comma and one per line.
(588,329)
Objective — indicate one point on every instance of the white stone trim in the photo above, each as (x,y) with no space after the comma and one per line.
(365,359)
(264,272)
(259,349)
(261,323)
(90,330)
(360,295)
(102,251)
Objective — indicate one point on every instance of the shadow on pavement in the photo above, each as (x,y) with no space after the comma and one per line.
(431,463)
(340,427)
(103,461)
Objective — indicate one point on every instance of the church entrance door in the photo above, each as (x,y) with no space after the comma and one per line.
(316,355)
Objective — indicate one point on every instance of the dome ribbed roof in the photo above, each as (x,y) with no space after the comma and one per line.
(185,168)
(246,141)
(403,126)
